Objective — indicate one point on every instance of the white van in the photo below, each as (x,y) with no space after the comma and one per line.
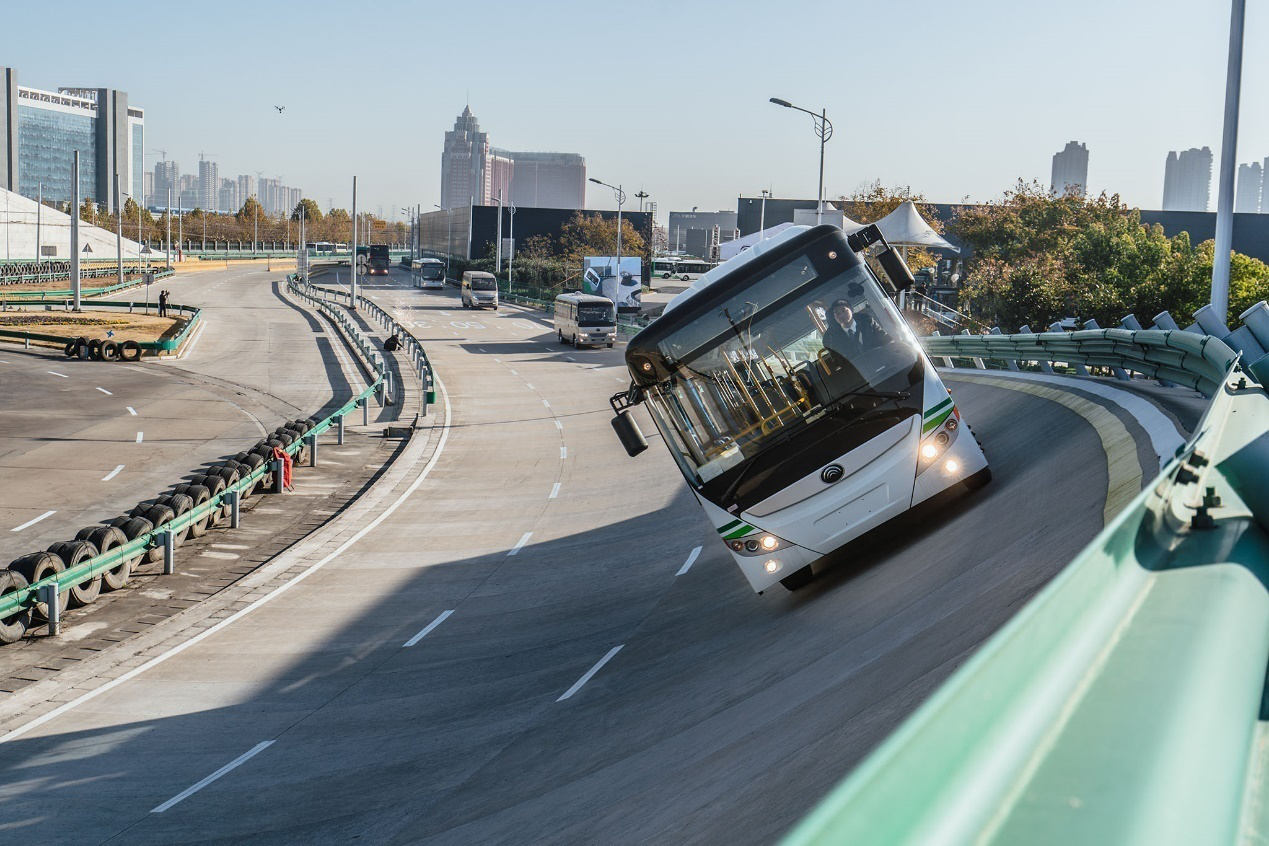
(585,319)
(479,290)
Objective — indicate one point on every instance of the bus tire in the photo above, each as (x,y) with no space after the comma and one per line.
(798,578)
(978,480)
(74,553)
(106,538)
(610,345)
(130,351)
(13,628)
(665,275)
(36,566)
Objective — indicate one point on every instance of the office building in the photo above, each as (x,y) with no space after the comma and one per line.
(167,177)
(1187,180)
(473,171)
(1070,170)
(228,200)
(41,130)
(208,186)
(246,188)
(694,232)
(1247,190)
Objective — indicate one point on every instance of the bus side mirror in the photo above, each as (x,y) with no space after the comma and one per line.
(892,263)
(629,434)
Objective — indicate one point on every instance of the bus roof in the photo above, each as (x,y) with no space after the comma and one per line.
(428,261)
(721,271)
(580,298)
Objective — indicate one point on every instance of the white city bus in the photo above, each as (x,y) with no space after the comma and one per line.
(427,273)
(797,403)
(585,319)
(683,269)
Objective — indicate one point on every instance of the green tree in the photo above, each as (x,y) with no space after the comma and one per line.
(872,201)
(312,212)
(593,235)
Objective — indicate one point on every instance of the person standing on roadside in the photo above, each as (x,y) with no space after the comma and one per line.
(163,303)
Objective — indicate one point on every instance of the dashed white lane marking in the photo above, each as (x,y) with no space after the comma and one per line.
(559,425)
(498,361)
(590,673)
(140,435)
(132,411)
(112,474)
(691,559)
(570,358)
(563,452)
(479,349)
(236,762)
(527,385)
(440,619)
(104,391)
(513,373)
(30,523)
(3,361)
(555,491)
(547,404)
(520,543)
(55,373)
(446,313)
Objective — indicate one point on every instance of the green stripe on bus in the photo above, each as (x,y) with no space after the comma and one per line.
(934,424)
(733,524)
(936,408)
(740,533)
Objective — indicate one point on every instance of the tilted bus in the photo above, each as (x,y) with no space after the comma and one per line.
(795,432)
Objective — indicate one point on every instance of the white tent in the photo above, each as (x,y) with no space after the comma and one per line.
(904,227)
(731,249)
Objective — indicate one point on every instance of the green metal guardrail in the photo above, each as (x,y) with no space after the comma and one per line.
(168,345)
(17,600)
(1127,702)
(65,294)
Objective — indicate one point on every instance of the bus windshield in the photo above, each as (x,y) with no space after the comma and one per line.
(595,315)
(432,271)
(787,353)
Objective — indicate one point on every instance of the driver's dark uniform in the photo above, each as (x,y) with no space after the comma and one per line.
(863,335)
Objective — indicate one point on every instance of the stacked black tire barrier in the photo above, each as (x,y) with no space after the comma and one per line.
(102,349)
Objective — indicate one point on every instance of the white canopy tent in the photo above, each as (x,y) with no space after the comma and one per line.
(731,249)
(904,227)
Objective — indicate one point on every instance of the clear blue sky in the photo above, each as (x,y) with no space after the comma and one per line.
(955,99)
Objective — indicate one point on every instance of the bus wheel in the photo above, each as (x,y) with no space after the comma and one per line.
(610,345)
(798,578)
(684,278)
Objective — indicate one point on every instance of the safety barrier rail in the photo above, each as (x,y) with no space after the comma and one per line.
(47,590)
(1125,702)
(66,293)
(166,345)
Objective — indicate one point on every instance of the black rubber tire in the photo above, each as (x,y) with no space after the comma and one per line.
(301,426)
(36,566)
(130,351)
(181,505)
(241,457)
(159,516)
(252,460)
(13,628)
(199,495)
(73,553)
(71,349)
(215,486)
(798,578)
(109,351)
(978,480)
(94,349)
(106,538)
(86,533)
(120,522)
(610,345)
(285,437)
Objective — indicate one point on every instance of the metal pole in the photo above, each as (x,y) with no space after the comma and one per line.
(48,595)
(74,232)
(511,256)
(621,198)
(353,303)
(819,198)
(39,245)
(1229,153)
(498,244)
(119,226)
(235,509)
(180,225)
(762,217)
(167,213)
(341,429)
(169,552)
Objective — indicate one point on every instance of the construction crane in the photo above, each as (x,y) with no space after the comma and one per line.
(157,150)
(202,157)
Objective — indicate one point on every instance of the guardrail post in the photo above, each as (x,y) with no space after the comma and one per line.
(168,542)
(1163,320)
(312,450)
(279,483)
(48,595)
(1080,369)
(978,362)
(387,385)
(947,362)
(235,509)
(341,429)
(1013,365)
(425,377)
(1045,367)
(1120,373)
(365,411)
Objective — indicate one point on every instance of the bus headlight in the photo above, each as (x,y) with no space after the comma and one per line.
(952,465)
(772,566)
(937,442)
(929,451)
(769,542)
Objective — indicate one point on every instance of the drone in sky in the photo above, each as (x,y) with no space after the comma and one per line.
(279,108)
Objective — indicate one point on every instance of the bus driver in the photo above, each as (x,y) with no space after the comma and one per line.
(850,337)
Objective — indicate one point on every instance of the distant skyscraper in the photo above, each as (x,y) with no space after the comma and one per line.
(246,188)
(208,185)
(167,177)
(463,173)
(1070,170)
(1187,180)
(1247,189)
(547,180)
(228,201)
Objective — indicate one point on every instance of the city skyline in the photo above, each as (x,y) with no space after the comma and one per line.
(745,143)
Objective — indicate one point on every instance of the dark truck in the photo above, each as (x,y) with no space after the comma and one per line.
(379,261)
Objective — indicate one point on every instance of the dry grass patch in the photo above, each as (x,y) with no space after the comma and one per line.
(93,324)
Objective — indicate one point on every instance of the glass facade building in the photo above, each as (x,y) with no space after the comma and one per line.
(46,139)
(138,159)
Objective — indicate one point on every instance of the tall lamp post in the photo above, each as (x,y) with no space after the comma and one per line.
(762,215)
(1229,144)
(621,199)
(823,129)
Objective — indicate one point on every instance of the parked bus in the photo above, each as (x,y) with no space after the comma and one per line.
(683,269)
(428,273)
(585,319)
(797,403)
(479,290)
(379,261)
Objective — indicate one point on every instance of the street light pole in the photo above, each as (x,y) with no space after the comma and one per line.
(621,199)
(167,213)
(823,129)
(1229,152)
(762,216)
(511,256)
(74,233)
(119,226)
(353,257)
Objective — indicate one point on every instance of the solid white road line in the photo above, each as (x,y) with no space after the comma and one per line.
(55,373)
(563,452)
(32,522)
(547,404)
(236,762)
(555,491)
(559,425)
(112,474)
(104,391)
(591,672)
(189,348)
(520,543)
(440,619)
(140,435)
(691,559)
(132,411)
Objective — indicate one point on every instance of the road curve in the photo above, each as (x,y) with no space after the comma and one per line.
(522,653)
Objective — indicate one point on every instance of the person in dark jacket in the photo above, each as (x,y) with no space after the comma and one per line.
(163,303)
(850,336)
(392,344)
